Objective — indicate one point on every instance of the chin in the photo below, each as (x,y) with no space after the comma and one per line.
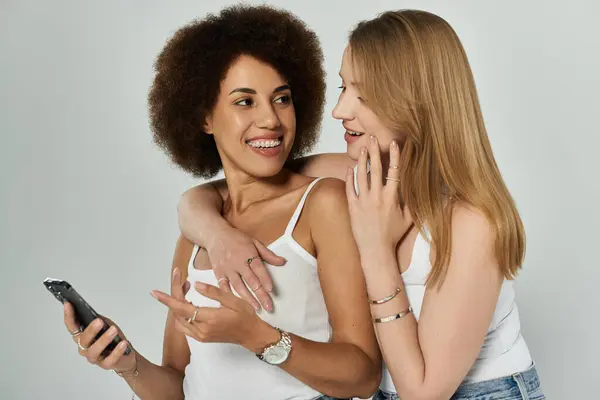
(267,170)
(353,150)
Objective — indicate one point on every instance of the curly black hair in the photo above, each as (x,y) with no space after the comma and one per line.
(190,68)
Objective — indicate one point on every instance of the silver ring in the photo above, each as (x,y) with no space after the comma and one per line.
(394,167)
(193,317)
(254,290)
(222,279)
(81,347)
(76,332)
(389,178)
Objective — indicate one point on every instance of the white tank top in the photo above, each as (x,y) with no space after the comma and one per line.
(229,371)
(504,351)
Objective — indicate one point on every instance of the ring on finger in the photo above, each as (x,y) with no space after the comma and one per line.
(249,261)
(222,279)
(389,178)
(76,332)
(394,167)
(81,347)
(193,317)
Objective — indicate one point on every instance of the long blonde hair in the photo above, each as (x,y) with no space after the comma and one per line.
(414,73)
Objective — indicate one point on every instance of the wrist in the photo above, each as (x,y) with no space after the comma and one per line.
(219,228)
(265,335)
(129,370)
(377,257)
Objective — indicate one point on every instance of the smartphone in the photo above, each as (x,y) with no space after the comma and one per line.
(84,313)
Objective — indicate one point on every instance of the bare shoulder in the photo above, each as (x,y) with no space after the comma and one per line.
(332,165)
(473,238)
(469,223)
(328,194)
(327,204)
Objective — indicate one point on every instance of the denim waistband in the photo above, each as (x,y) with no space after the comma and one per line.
(528,378)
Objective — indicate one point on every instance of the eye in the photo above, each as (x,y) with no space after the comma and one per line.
(343,88)
(285,99)
(244,102)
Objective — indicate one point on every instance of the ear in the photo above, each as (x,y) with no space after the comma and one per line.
(207,127)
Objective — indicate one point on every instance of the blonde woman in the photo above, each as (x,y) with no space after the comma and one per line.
(439,235)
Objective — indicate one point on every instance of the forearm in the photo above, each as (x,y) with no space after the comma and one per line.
(199,213)
(155,382)
(335,369)
(398,339)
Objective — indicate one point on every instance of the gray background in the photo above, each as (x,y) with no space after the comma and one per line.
(87,197)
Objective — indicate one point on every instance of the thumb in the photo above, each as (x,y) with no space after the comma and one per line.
(267,255)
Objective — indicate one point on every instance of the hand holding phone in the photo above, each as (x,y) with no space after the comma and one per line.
(98,338)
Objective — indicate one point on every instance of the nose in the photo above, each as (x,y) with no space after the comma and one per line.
(344,109)
(267,118)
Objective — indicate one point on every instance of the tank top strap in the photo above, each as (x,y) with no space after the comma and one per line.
(296,215)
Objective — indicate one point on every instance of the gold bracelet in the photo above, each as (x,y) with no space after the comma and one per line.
(134,372)
(387,298)
(393,317)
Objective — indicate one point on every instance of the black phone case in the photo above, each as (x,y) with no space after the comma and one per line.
(84,313)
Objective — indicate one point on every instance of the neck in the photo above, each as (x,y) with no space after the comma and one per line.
(245,189)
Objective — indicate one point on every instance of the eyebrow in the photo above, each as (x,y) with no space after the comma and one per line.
(252,91)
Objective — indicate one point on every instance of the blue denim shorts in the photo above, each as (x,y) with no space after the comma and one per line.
(522,386)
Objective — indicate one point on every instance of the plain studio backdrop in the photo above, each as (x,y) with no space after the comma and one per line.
(87,196)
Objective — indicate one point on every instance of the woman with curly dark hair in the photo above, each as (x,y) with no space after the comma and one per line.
(243,91)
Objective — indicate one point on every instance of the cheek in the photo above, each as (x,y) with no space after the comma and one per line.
(231,126)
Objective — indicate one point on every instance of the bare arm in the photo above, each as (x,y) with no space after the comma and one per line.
(351,364)
(201,222)
(164,382)
(430,359)
(151,381)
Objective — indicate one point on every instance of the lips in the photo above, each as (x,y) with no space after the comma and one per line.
(352,136)
(268,146)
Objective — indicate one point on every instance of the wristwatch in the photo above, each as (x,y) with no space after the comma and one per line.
(278,352)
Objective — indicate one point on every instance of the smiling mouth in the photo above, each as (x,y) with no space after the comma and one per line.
(265,143)
(352,133)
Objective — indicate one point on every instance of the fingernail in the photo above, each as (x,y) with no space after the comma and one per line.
(372,139)
(363,150)
(200,286)
(112,330)
(269,307)
(175,273)
(257,307)
(394,144)
(98,323)
(154,294)
(268,288)
(122,344)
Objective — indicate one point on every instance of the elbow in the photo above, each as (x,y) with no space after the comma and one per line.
(368,383)
(184,201)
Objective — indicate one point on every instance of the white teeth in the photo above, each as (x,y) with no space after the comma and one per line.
(352,133)
(262,144)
